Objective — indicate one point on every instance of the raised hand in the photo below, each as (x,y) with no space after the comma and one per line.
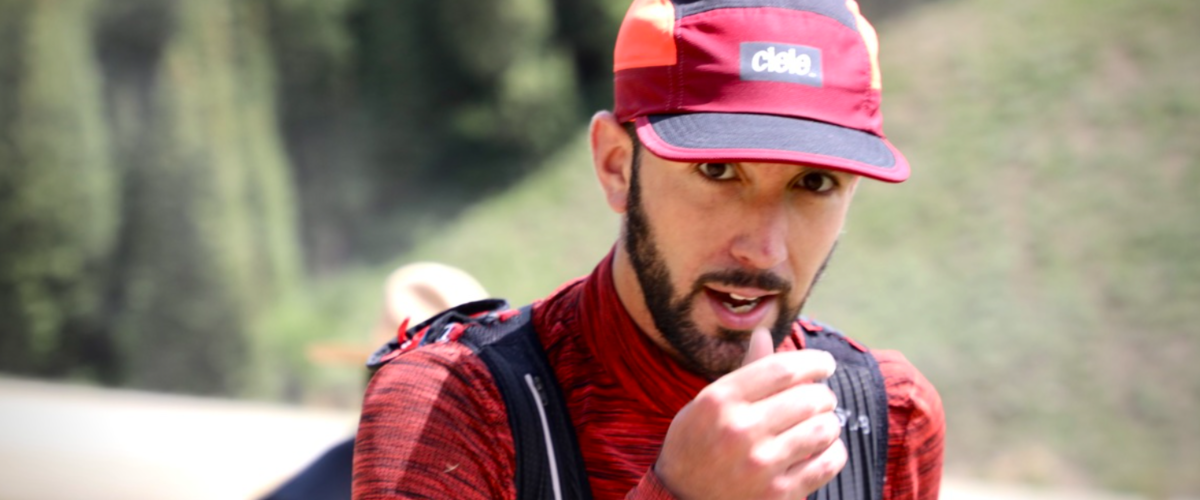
(764,431)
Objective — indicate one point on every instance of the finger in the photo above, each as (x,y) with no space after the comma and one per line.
(793,405)
(761,345)
(808,476)
(809,438)
(777,372)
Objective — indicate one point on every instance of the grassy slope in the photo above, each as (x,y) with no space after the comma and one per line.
(1041,263)
(526,242)
(1039,267)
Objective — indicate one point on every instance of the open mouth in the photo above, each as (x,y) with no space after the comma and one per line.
(736,303)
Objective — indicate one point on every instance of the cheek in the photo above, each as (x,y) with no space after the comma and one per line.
(811,241)
(689,227)
(686,206)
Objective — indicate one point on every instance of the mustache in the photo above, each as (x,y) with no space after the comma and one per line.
(763,280)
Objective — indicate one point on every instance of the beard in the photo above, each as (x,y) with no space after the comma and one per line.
(711,355)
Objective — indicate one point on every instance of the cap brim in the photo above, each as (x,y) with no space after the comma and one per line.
(772,139)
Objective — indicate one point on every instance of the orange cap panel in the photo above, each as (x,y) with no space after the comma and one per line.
(872,41)
(647,36)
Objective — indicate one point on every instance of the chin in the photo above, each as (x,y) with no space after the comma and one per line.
(713,354)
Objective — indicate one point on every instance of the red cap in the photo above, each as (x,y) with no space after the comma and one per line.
(781,81)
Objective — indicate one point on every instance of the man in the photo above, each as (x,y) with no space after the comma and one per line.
(741,130)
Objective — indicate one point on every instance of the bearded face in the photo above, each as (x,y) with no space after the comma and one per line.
(718,350)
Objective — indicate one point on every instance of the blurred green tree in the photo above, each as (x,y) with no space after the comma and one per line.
(209,229)
(58,203)
(459,99)
(147,206)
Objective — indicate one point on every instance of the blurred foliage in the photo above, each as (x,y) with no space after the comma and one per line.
(147,205)
(58,205)
(458,97)
(170,168)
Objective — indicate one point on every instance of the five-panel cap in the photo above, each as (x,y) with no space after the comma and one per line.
(780,81)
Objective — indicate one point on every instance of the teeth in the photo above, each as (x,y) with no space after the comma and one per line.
(740,304)
(738,309)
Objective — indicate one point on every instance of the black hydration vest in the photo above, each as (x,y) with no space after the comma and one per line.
(549,463)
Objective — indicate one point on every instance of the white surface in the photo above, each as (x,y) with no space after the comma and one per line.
(67,442)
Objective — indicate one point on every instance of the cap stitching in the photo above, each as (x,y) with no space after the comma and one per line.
(676,73)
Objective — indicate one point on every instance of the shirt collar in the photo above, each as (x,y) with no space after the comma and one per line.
(644,370)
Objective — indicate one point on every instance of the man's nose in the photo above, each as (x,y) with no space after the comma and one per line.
(761,242)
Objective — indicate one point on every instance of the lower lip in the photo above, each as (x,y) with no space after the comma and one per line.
(740,321)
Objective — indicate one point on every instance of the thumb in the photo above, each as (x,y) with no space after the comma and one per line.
(760,346)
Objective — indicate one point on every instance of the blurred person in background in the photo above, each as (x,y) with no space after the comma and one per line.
(412,293)
(740,132)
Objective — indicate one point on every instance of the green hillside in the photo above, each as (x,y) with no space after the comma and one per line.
(525,243)
(1040,266)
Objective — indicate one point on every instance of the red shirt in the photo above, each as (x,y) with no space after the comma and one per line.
(435,426)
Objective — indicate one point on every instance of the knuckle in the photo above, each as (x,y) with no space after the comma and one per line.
(705,406)
(816,355)
(829,424)
(815,479)
(823,361)
(834,460)
(817,399)
(760,459)
(828,398)
(735,430)
(826,433)
(779,487)
(713,397)
(739,428)
(826,357)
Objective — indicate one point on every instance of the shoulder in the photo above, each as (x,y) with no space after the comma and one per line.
(432,422)
(910,395)
(906,386)
(916,421)
(440,377)
(916,430)
(561,306)
(915,411)
(808,331)
(557,316)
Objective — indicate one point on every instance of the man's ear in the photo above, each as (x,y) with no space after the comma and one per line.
(612,157)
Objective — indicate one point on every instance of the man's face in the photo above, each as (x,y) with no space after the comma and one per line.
(722,248)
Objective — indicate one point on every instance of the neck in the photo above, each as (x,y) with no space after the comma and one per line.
(629,291)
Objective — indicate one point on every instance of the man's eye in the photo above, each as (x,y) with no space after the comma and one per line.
(818,182)
(717,171)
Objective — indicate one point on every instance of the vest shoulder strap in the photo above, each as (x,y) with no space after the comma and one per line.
(862,409)
(549,465)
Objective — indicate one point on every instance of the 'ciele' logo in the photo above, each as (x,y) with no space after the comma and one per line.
(781,62)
